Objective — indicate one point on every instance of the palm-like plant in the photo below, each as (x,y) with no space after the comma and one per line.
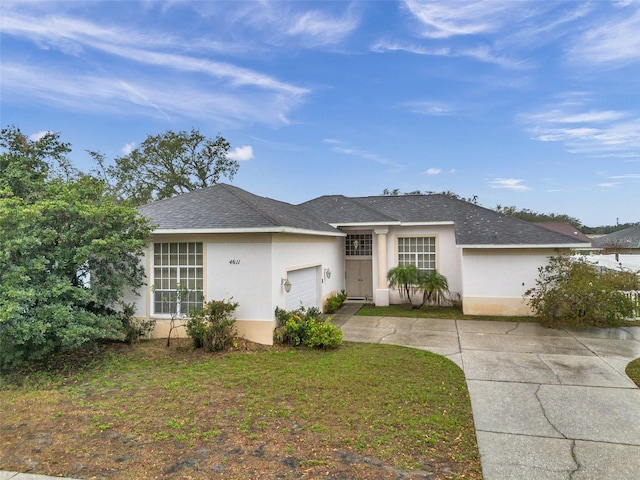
(434,286)
(405,278)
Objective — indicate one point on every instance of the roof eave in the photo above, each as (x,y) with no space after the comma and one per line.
(201,231)
(527,245)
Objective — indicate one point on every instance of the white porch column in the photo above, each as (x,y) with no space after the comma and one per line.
(381,297)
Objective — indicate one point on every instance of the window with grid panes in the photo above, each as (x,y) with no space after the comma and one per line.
(418,251)
(358,244)
(177,264)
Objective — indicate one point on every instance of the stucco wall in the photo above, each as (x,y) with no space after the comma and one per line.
(494,280)
(448,255)
(249,268)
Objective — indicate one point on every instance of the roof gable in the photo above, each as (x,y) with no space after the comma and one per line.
(224,207)
(627,238)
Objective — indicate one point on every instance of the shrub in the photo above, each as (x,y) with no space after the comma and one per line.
(134,328)
(213,327)
(306,327)
(574,292)
(334,302)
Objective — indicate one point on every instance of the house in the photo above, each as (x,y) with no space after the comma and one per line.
(222,242)
(625,241)
(568,229)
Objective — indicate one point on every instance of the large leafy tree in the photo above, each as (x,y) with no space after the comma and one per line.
(168,164)
(68,251)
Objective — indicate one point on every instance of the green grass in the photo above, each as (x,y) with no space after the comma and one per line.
(633,371)
(409,408)
(406,310)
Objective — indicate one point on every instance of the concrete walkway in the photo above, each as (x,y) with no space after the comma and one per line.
(547,404)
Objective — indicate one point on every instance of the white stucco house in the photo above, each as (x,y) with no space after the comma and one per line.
(223,242)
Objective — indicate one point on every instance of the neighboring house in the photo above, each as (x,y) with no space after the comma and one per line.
(222,242)
(570,230)
(623,241)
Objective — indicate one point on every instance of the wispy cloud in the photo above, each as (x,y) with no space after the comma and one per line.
(339,146)
(481,53)
(612,41)
(433,171)
(430,108)
(230,89)
(609,184)
(509,183)
(447,19)
(585,130)
(243,153)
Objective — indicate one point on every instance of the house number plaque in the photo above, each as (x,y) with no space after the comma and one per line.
(234,262)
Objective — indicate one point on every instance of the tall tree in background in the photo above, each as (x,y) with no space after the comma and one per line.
(68,252)
(531,216)
(168,164)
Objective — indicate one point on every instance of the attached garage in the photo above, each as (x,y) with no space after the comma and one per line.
(305,288)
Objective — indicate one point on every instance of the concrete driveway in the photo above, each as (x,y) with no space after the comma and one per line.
(547,404)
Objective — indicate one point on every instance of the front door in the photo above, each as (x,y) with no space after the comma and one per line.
(359,279)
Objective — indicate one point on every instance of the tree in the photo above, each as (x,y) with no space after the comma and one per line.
(68,251)
(571,291)
(168,164)
(448,193)
(434,286)
(531,216)
(405,278)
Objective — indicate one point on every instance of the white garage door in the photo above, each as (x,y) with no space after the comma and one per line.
(304,289)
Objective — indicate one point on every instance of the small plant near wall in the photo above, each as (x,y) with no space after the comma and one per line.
(571,291)
(306,327)
(213,327)
(134,328)
(334,302)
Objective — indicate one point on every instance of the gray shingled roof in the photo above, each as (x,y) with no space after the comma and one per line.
(223,206)
(474,225)
(627,238)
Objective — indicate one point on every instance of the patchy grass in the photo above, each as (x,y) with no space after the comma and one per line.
(428,311)
(633,371)
(361,411)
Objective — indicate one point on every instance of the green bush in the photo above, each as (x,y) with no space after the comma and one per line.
(574,292)
(307,327)
(213,327)
(134,328)
(334,302)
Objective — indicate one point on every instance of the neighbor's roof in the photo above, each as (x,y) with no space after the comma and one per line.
(474,225)
(224,208)
(566,228)
(627,238)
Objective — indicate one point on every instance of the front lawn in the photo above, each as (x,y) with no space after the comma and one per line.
(633,371)
(361,411)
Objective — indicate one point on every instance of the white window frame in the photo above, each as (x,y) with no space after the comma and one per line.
(418,250)
(173,264)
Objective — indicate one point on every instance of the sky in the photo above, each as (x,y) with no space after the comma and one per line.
(533,104)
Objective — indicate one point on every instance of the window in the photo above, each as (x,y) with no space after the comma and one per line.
(358,244)
(177,264)
(418,251)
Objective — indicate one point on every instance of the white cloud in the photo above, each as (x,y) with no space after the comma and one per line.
(128,148)
(613,41)
(318,28)
(430,108)
(609,184)
(448,19)
(242,153)
(509,183)
(433,171)
(584,130)
(34,137)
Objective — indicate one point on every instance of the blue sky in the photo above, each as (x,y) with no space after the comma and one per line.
(528,103)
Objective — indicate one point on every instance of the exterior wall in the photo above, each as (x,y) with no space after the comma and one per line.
(448,255)
(248,268)
(494,280)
